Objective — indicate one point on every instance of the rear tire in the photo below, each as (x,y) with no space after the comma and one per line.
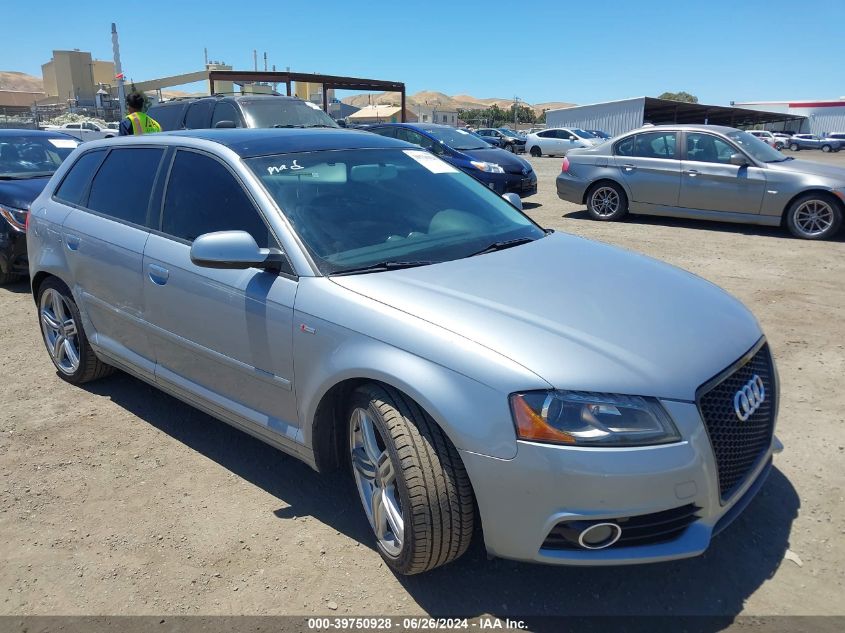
(535,151)
(814,216)
(413,487)
(64,336)
(607,202)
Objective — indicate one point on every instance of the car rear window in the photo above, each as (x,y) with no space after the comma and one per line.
(169,117)
(75,184)
(123,186)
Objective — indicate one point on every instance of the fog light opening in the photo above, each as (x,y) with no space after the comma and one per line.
(599,535)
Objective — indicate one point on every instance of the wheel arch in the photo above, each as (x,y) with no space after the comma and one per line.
(827,194)
(604,180)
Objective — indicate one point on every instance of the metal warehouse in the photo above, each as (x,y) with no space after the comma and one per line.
(820,117)
(617,117)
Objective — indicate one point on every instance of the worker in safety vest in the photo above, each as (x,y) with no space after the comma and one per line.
(136,122)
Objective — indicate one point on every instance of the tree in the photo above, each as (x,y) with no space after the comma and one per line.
(679,96)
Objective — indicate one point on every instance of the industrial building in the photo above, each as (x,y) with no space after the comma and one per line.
(617,117)
(75,76)
(819,117)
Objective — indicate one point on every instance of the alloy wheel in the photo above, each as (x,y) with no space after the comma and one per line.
(60,331)
(814,217)
(375,477)
(605,201)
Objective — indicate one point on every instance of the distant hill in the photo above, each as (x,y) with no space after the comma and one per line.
(11,80)
(457,102)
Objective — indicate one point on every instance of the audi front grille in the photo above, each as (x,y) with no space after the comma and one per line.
(738,444)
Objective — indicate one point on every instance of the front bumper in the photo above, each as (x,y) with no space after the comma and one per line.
(520,500)
(13,252)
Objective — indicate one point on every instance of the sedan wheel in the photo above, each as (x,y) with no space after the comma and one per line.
(794,147)
(413,487)
(607,202)
(535,151)
(814,218)
(61,329)
(825,148)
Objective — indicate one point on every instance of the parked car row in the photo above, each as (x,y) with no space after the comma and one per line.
(85,130)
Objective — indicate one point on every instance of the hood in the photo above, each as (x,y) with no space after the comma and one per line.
(21,193)
(832,172)
(579,314)
(511,163)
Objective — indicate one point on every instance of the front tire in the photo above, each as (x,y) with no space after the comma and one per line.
(814,217)
(826,148)
(535,151)
(794,147)
(64,336)
(606,202)
(415,492)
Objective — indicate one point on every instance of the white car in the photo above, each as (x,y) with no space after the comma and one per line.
(84,130)
(559,140)
(767,137)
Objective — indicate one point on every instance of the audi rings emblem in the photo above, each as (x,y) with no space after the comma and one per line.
(748,399)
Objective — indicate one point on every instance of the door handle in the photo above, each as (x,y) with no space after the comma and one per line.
(157,274)
(72,242)
(629,167)
(692,172)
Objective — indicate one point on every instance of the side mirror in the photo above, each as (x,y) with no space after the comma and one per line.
(231,249)
(514,199)
(226,124)
(739,160)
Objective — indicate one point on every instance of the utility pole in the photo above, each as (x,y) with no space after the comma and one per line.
(118,71)
(515,111)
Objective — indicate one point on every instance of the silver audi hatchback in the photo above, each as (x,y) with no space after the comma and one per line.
(357,302)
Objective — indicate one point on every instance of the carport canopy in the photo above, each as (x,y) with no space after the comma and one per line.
(659,111)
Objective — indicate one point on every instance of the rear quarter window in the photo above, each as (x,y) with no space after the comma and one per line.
(74,188)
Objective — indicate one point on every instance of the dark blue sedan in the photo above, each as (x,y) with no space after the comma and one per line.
(27,160)
(499,169)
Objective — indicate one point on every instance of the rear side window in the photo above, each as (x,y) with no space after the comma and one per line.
(199,115)
(168,117)
(204,197)
(390,132)
(75,185)
(123,187)
(655,145)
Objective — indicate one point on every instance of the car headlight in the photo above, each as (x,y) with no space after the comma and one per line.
(591,419)
(490,168)
(15,217)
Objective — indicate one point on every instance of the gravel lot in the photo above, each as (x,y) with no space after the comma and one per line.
(115,498)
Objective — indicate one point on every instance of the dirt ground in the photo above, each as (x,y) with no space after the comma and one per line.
(115,498)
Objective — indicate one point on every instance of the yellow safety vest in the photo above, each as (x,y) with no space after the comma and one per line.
(143,124)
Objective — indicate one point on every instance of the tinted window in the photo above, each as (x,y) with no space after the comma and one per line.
(708,149)
(547,134)
(75,184)
(655,145)
(199,114)
(225,111)
(404,134)
(203,197)
(566,135)
(389,132)
(123,186)
(282,112)
(625,147)
(168,117)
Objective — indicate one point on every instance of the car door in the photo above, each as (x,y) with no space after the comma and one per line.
(566,141)
(103,238)
(222,336)
(710,182)
(650,167)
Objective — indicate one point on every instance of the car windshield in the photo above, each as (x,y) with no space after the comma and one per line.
(283,112)
(30,156)
(383,208)
(599,134)
(582,133)
(457,139)
(756,148)
(509,132)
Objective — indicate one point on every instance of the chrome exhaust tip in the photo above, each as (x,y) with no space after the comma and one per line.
(599,535)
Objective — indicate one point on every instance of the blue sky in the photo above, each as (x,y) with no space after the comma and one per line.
(561,50)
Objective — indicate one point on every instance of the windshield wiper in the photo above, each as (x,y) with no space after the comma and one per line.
(498,246)
(382,266)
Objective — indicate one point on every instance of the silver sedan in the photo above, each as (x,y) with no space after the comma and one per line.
(706,172)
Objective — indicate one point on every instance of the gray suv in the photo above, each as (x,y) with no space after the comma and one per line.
(357,302)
